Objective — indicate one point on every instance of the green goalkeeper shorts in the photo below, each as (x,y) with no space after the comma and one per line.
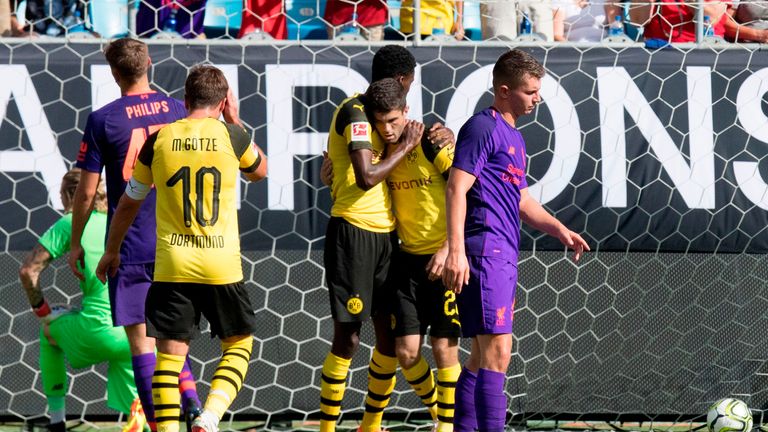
(85,341)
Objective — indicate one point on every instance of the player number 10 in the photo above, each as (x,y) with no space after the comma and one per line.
(183,176)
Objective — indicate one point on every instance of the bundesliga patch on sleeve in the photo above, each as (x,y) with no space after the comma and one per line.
(360,131)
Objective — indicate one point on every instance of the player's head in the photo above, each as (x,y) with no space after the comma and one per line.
(206,87)
(128,58)
(68,186)
(394,61)
(517,81)
(385,101)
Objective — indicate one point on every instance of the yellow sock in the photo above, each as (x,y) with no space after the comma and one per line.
(446,396)
(381,382)
(229,375)
(165,391)
(422,380)
(332,385)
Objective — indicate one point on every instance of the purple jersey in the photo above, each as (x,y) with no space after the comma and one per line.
(494,152)
(113,137)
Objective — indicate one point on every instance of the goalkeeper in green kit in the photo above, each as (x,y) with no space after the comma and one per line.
(85,337)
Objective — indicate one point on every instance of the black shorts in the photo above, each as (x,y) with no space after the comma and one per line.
(173,310)
(356,267)
(420,302)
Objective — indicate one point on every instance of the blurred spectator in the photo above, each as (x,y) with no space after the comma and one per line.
(49,17)
(436,16)
(582,20)
(267,15)
(371,16)
(675,21)
(5,18)
(748,22)
(500,19)
(156,15)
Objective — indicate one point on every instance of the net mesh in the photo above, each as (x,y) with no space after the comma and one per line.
(662,319)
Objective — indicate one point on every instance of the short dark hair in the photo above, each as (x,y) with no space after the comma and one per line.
(129,57)
(206,86)
(385,95)
(512,67)
(392,61)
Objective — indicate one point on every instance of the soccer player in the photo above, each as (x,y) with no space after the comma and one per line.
(84,337)
(194,164)
(360,239)
(113,137)
(417,186)
(486,198)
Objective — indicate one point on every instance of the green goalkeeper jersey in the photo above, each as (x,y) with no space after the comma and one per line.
(95,303)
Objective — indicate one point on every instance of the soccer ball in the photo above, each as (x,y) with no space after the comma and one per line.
(729,415)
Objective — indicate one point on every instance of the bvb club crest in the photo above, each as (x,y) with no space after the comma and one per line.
(354,305)
(412,156)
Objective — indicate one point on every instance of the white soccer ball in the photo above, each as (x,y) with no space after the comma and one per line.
(729,415)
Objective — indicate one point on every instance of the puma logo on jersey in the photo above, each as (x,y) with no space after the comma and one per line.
(359,106)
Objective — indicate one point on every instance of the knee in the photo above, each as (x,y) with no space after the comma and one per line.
(346,340)
(446,352)
(407,355)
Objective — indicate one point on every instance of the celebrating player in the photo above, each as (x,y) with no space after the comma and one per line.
(113,137)
(486,199)
(194,165)
(84,337)
(359,243)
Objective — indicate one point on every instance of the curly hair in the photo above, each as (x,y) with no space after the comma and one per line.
(392,61)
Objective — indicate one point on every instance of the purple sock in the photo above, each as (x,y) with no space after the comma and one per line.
(464,415)
(490,400)
(143,368)
(187,387)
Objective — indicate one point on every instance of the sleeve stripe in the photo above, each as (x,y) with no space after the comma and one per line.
(254,166)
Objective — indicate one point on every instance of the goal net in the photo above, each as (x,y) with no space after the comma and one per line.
(656,156)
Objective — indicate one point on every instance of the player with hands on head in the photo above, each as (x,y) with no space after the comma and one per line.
(113,137)
(487,198)
(81,337)
(198,264)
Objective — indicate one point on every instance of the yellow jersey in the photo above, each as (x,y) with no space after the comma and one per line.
(350,130)
(417,185)
(194,166)
(434,13)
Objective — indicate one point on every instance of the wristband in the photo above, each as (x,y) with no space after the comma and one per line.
(42,310)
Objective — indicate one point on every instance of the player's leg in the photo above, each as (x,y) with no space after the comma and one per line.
(121,388)
(171,318)
(465,415)
(53,372)
(127,296)
(486,307)
(128,293)
(229,311)
(411,321)
(446,354)
(349,260)
(445,330)
(383,364)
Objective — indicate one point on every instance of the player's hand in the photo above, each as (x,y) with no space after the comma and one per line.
(76,261)
(574,242)
(326,170)
(436,263)
(231,113)
(108,265)
(440,135)
(456,272)
(411,136)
